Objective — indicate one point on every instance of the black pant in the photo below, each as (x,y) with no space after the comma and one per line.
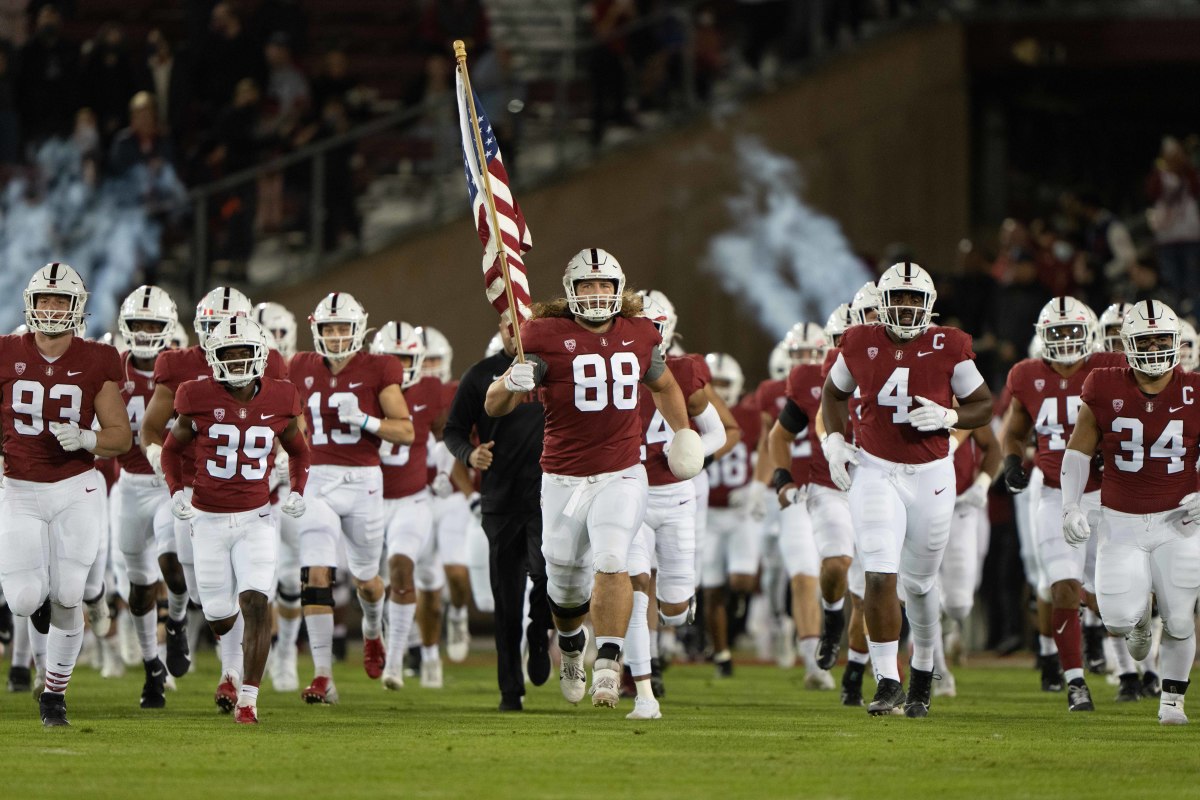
(515,550)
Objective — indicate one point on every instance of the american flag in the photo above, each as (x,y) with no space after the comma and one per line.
(509,217)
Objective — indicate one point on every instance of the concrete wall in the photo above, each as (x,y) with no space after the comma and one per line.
(881,136)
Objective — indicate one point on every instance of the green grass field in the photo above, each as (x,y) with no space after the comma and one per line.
(757,735)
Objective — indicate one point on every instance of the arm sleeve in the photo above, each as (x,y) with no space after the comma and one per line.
(966,378)
(792,418)
(299,461)
(657,366)
(841,376)
(464,412)
(1074,476)
(712,431)
(172,463)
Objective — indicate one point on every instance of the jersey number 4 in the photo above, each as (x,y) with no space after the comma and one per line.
(592,379)
(1168,446)
(1048,424)
(895,394)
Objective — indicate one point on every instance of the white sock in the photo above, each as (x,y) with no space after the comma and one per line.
(619,641)
(654,643)
(808,653)
(924,619)
(836,605)
(644,690)
(430,652)
(457,613)
(637,638)
(939,656)
(39,644)
(22,645)
(146,626)
(289,632)
(400,622)
(1073,674)
(1047,646)
(1175,658)
(372,617)
(1125,663)
(176,605)
(230,647)
(320,642)
(883,657)
(855,657)
(62,651)
(414,634)
(248,695)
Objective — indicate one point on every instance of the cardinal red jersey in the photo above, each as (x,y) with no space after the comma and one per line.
(818,467)
(1052,402)
(590,392)
(233,451)
(37,392)
(137,387)
(173,368)
(110,468)
(449,388)
(702,370)
(362,379)
(804,389)
(736,468)
(936,365)
(404,466)
(1149,441)
(656,430)
(968,459)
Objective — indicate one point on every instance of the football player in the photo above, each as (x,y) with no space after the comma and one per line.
(1145,418)
(1110,327)
(908,373)
(280,325)
(234,421)
(588,353)
(1045,400)
(55,385)
(353,402)
(141,516)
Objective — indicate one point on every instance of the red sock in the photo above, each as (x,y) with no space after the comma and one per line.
(1068,637)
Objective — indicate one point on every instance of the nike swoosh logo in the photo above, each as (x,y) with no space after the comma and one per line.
(626,344)
(1172,705)
(419,408)
(372,491)
(1187,522)
(684,502)
(265,416)
(356,385)
(73,373)
(497,377)
(939,491)
(1060,629)
(1173,410)
(923,353)
(89,491)
(263,516)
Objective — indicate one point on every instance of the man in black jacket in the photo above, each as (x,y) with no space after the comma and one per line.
(508,458)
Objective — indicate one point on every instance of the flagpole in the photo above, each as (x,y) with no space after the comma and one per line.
(460,55)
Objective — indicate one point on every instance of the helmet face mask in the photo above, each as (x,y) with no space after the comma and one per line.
(1110,326)
(906,298)
(595,284)
(146,321)
(439,355)
(280,325)
(806,343)
(1067,330)
(403,341)
(55,299)
(339,326)
(864,308)
(1151,335)
(236,350)
(217,306)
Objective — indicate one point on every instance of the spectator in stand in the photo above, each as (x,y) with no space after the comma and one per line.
(610,65)
(167,77)
(1055,259)
(1014,311)
(1109,249)
(48,84)
(342,221)
(1144,285)
(287,102)
(336,81)
(10,122)
(230,55)
(1173,188)
(142,142)
(237,140)
(108,79)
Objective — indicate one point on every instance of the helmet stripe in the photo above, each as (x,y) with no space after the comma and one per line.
(146,298)
(333,303)
(1062,305)
(595,260)
(225,299)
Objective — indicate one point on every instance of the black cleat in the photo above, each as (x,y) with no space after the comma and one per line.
(512,702)
(724,668)
(1078,696)
(889,697)
(53,707)
(852,680)
(1151,686)
(179,660)
(20,679)
(656,679)
(1130,690)
(154,690)
(920,688)
(412,662)
(1052,674)
(831,639)
(538,665)
(1093,649)
(6,624)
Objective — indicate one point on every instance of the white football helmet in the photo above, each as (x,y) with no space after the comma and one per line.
(220,304)
(865,301)
(55,278)
(280,325)
(906,278)
(1148,320)
(594,264)
(727,378)
(1067,330)
(240,332)
(1110,326)
(178,338)
(115,340)
(806,343)
(661,315)
(339,308)
(495,347)
(1036,350)
(147,304)
(438,354)
(841,319)
(779,364)
(404,341)
(1189,346)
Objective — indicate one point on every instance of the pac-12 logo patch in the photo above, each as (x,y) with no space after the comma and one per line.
(219,414)
(872,352)
(1039,384)
(308,382)
(816,391)
(20,367)
(1118,405)
(569,344)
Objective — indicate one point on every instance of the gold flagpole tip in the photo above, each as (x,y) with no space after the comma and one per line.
(460,49)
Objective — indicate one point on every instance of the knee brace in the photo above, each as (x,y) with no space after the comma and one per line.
(317,596)
(686,617)
(332,576)
(286,598)
(569,613)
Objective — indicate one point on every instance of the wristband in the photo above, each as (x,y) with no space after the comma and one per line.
(707,461)
(984,480)
(371,424)
(780,478)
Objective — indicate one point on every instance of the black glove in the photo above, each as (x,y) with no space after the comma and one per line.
(1015,478)
(781,478)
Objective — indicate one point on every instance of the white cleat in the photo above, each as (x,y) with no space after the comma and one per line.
(1170,709)
(283,671)
(946,686)
(819,680)
(606,682)
(572,678)
(645,708)
(458,636)
(393,681)
(1141,637)
(111,665)
(171,684)
(431,673)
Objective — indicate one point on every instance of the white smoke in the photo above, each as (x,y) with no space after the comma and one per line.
(783,260)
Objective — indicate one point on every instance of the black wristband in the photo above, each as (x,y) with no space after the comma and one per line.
(781,478)
(1011,461)
(707,461)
